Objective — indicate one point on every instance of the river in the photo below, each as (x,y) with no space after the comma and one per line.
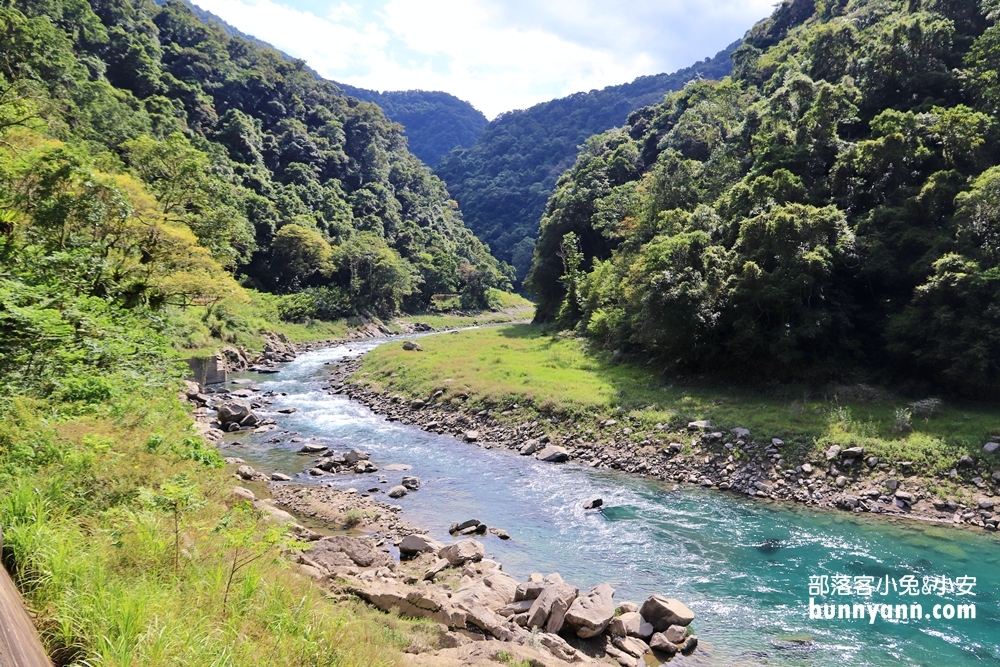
(745,567)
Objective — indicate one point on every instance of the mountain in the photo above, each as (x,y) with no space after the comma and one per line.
(435,122)
(833,207)
(290,184)
(504,180)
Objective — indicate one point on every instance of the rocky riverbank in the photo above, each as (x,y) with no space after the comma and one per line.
(482,612)
(697,453)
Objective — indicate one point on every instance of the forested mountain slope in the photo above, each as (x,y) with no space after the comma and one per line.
(834,205)
(288,182)
(435,122)
(503,182)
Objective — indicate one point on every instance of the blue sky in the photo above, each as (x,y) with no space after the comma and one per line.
(497,54)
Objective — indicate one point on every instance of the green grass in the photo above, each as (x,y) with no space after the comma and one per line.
(559,378)
(86,494)
(200,331)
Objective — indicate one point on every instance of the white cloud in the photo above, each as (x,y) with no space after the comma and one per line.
(498,54)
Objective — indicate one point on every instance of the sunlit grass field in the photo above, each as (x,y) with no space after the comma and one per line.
(561,377)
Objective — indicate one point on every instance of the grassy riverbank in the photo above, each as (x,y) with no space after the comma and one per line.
(561,379)
(119,531)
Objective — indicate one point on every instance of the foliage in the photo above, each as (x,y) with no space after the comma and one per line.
(434,122)
(503,181)
(830,206)
(234,141)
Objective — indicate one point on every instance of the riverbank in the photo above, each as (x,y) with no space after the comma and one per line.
(543,619)
(483,615)
(518,389)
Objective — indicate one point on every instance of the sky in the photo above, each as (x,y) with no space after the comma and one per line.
(497,54)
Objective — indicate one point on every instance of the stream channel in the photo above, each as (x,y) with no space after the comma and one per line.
(744,566)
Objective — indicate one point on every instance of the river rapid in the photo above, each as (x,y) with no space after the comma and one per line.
(744,566)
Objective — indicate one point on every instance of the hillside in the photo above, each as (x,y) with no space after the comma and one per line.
(289,182)
(504,180)
(434,122)
(831,208)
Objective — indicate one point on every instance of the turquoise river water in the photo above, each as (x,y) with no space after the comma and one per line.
(743,566)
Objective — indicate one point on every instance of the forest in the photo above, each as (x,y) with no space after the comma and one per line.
(503,181)
(830,210)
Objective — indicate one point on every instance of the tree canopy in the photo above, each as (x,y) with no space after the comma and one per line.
(829,207)
(236,142)
(504,180)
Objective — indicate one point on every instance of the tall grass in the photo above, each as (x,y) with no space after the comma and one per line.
(115,580)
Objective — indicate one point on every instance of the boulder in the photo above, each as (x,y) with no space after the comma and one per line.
(410,483)
(312,448)
(528,590)
(631,624)
(529,447)
(590,614)
(439,566)
(460,526)
(514,608)
(553,454)
(397,491)
(409,601)
(663,612)
(853,453)
(241,493)
(593,503)
(700,425)
(625,607)
(991,447)
(411,545)
(549,609)
(280,477)
(471,436)
(833,452)
(355,455)
(634,647)
(462,552)
(675,634)
(234,412)
(341,551)
(986,503)
(659,642)
(411,346)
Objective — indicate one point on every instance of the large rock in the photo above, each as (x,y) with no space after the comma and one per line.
(411,545)
(528,590)
(634,647)
(659,642)
(631,624)
(341,551)
(462,552)
(355,455)
(397,491)
(413,602)
(550,607)
(481,599)
(590,614)
(663,612)
(553,454)
(235,412)
(411,483)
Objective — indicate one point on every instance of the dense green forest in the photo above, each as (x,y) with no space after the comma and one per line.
(434,122)
(292,186)
(833,205)
(503,182)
